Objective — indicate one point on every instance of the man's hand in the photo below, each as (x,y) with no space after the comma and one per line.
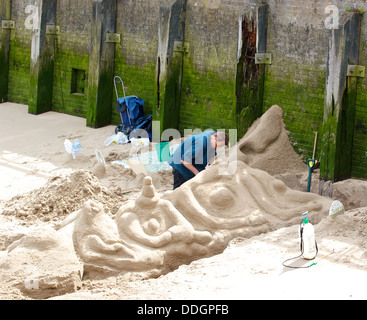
(189,166)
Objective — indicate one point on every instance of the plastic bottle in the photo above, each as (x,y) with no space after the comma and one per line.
(308,239)
(73,148)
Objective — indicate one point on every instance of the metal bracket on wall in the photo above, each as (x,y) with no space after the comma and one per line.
(263,58)
(356,71)
(181,46)
(52,29)
(7,24)
(113,37)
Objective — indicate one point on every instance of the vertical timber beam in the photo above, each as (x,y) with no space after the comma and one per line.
(101,63)
(339,109)
(261,41)
(5,14)
(171,50)
(42,59)
(250,74)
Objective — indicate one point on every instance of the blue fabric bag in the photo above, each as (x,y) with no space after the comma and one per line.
(130,109)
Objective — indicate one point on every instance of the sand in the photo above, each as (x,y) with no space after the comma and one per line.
(42,185)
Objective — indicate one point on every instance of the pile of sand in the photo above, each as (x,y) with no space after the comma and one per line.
(266,146)
(352,224)
(121,180)
(66,192)
(60,196)
(352,193)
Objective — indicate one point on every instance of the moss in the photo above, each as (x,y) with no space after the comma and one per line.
(328,134)
(167,106)
(249,101)
(4,62)
(208,99)
(41,83)
(64,99)
(105,94)
(99,99)
(19,71)
(249,81)
(359,151)
(302,102)
(139,80)
(337,132)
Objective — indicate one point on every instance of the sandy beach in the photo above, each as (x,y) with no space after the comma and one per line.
(41,184)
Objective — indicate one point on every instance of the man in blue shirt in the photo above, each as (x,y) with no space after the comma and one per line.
(194,154)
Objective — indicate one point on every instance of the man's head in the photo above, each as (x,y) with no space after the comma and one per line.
(219,139)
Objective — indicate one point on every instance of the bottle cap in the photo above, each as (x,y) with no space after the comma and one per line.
(305,217)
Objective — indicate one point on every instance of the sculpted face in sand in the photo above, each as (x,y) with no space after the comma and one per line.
(146,234)
(155,234)
(196,220)
(156,223)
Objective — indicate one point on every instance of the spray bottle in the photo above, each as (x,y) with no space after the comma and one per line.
(307,236)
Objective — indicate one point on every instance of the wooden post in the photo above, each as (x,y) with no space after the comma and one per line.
(5,15)
(171,51)
(101,64)
(250,72)
(42,58)
(340,98)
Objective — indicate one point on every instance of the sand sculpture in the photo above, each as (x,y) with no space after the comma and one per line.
(145,235)
(266,146)
(155,234)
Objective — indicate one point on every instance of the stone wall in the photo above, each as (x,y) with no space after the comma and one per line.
(359,159)
(209,75)
(136,55)
(19,55)
(72,56)
(193,63)
(298,41)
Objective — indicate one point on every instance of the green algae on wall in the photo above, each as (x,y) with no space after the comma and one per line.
(167,109)
(249,80)
(42,59)
(208,94)
(101,63)
(340,99)
(211,95)
(19,71)
(359,152)
(208,100)
(139,80)
(170,55)
(302,103)
(65,99)
(136,55)
(41,82)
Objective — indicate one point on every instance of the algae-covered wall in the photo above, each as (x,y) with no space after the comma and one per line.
(208,82)
(136,55)
(302,37)
(19,54)
(359,159)
(72,57)
(295,81)
(194,64)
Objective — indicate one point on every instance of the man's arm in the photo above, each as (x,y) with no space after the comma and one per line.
(189,166)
